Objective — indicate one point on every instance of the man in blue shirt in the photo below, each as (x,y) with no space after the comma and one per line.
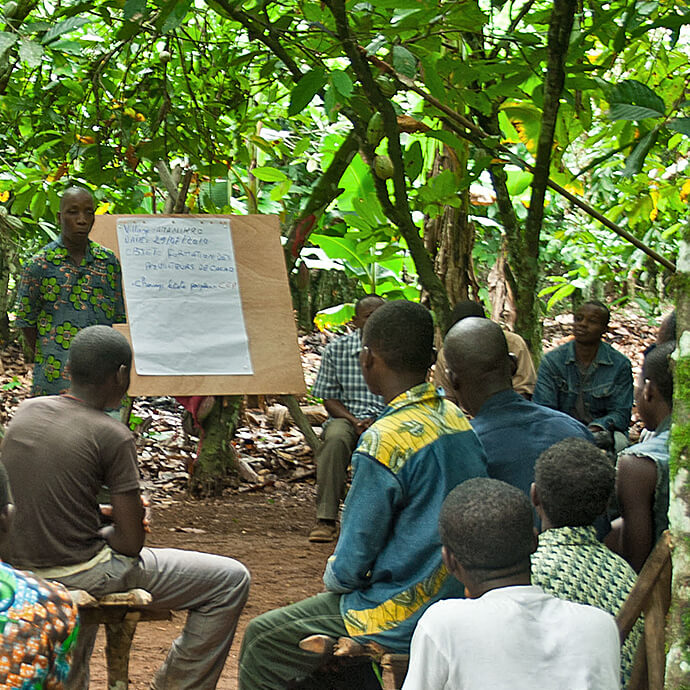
(387,568)
(589,380)
(351,407)
(513,431)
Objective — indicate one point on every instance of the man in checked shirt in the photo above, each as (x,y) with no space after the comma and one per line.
(352,408)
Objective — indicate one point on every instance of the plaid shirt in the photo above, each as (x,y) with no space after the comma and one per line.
(571,564)
(340,378)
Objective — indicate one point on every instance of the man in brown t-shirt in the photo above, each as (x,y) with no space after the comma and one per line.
(59,451)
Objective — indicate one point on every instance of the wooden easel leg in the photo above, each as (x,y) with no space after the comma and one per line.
(119,638)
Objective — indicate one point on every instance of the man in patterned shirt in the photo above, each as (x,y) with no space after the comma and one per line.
(38,621)
(70,284)
(352,408)
(572,485)
(386,569)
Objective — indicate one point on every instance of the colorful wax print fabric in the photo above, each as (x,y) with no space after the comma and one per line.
(38,628)
(59,298)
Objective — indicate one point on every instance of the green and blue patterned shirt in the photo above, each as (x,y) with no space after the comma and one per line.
(59,298)
(572,564)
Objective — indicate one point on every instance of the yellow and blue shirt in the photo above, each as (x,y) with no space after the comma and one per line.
(387,563)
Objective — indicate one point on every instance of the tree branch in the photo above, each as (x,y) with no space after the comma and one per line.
(398,212)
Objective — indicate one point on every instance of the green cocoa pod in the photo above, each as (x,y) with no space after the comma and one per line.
(383,167)
(164,56)
(375,129)
(9,9)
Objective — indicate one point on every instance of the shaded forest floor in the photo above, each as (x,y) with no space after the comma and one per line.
(264,524)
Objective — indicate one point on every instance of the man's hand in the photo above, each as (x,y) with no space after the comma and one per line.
(127,532)
(363,424)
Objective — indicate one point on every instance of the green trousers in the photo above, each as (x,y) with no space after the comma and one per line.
(270,657)
(339,440)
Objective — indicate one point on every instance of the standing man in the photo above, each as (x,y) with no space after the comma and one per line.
(70,284)
(386,568)
(58,452)
(589,380)
(352,408)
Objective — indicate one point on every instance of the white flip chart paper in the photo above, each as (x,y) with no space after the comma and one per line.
(183,297)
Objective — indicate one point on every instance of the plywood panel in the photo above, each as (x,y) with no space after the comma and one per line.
(267,309)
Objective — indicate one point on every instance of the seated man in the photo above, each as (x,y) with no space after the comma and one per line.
(38,622)
(642,480)
(352,407)
(513,431)
(59,451)
(507,633)
(523,375)
(589,380)
(387,566)
(572,485)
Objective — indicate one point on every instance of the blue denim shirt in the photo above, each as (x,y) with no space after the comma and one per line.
(607,396)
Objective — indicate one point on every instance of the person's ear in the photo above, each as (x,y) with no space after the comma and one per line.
(448,559)
(534,495)
(649,391)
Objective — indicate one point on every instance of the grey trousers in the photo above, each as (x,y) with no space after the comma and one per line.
(339,440)
(212,589)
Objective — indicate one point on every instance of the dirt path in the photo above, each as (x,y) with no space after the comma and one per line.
(266,532)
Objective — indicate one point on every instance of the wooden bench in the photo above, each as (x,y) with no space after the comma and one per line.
(120,612)
(393,666)
(651,596)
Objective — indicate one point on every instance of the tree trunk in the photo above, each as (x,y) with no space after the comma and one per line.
(449,237)
(216,465)
(678,630)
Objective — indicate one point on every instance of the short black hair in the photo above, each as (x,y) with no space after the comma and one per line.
(487,524)
(72,190)
(96,353)
(402,333)
(657,368)
(371,297)
(574,480)
(465,308)
(598,305)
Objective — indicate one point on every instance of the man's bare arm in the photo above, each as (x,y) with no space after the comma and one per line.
(337,410)
(126,535)
(635,487)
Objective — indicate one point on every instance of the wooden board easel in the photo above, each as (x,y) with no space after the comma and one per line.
(267,309)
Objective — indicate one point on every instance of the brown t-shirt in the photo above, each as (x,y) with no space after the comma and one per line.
(58,453)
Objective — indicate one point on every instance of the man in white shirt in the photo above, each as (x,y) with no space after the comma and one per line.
(508,634)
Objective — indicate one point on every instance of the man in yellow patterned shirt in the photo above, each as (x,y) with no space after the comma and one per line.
(386,569)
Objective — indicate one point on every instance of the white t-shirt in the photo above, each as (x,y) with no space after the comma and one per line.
(514,638)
